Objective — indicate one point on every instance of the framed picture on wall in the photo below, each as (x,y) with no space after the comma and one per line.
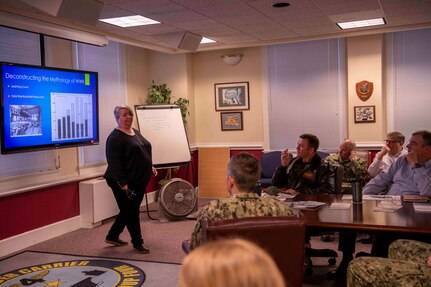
(365,114)
(231,96)
(231,121)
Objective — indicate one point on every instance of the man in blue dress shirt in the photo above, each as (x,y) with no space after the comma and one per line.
(410,174)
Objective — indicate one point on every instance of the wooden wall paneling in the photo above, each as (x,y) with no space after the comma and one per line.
(212,172)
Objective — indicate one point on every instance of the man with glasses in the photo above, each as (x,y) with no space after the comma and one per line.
(389,153)
(409,174)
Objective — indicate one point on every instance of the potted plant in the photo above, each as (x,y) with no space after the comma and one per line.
(161,94)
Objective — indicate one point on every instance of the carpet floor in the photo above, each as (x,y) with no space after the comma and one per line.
(53,269)
(164,240)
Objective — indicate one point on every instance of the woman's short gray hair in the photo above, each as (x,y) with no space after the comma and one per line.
(118,108)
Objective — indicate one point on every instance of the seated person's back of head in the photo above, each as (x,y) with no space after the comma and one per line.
(229,263)
(243,173)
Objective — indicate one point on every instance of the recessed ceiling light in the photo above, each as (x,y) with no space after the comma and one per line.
(361,23)
(207,40)
(281,4)
(130,21)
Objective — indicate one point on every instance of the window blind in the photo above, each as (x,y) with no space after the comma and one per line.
(23,47)
(108,62)
(411,83)
(304,94)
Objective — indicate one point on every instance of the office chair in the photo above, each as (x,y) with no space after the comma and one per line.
(338,172)
(269,163)
(322,154)
(364,154)
(281,236)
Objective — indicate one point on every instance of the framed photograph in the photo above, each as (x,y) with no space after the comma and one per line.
(231,96)
(365,114)
(231,121)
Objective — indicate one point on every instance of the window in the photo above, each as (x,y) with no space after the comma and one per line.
(304,92)
(23,47)
(108,62)
(409,83)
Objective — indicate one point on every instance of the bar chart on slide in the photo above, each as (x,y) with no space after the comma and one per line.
(71,116)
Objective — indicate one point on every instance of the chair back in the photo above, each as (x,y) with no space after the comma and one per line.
(364,154)
(281,236)
(338,178)
(269,162)
(322,154)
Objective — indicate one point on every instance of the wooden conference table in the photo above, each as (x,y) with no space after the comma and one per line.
(362,217)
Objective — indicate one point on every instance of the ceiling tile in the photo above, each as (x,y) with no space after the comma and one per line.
(216,32)
(245,22)
(145,7)
(333,7)
(317,30)
(154,29)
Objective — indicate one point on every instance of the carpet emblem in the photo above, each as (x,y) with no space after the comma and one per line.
(76,273)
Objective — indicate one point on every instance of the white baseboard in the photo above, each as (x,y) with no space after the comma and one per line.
(151,196)
(21,241)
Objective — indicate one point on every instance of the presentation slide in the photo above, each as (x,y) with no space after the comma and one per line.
(45,106)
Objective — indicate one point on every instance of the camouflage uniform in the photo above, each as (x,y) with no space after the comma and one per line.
(241,205)
(406,266)
(355,168)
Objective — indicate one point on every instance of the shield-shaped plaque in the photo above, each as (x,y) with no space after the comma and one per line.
(364,90)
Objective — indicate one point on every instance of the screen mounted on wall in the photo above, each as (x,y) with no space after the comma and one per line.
(43,108)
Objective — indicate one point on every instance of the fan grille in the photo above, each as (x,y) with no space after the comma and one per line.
(178,198)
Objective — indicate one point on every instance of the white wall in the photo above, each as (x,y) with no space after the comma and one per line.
(209,69)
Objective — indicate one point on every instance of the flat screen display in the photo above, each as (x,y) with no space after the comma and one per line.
(43,108)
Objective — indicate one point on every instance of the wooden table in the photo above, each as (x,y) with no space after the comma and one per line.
(362,217)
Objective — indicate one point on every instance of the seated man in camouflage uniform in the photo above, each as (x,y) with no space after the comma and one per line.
(355,168)
(409,174)
(306,173)
(243,173)
(409,264)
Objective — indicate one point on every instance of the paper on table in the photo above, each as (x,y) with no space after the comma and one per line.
(285,195)
(388,206)
(307,204)
(347,197)
(380,197)
(340,205)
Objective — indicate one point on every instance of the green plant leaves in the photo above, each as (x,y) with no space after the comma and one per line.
(161,94)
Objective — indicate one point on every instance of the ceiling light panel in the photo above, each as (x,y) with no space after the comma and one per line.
(207,40)
(361,23)
(130,21)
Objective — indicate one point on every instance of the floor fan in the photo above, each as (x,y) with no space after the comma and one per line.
(177,199)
